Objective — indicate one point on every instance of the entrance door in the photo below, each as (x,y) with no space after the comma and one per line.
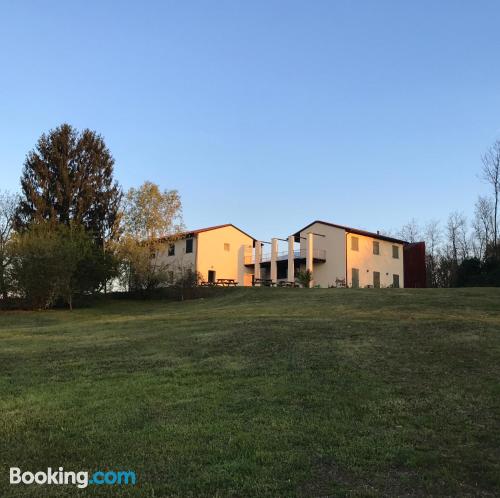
(395,281)
(211,276)
(376,279)
(355,278)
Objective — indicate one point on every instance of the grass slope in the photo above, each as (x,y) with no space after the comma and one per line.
(260,392)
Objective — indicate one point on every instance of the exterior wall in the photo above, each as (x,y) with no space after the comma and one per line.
(180,259)
(367,262)
(333,242)
(414,264)
(211,254)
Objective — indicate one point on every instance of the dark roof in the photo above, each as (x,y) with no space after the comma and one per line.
(216,227)
(354,230)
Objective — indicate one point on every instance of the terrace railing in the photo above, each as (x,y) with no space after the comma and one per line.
(318,254)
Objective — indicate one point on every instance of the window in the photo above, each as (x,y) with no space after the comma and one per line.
(395,252)
(189,245)
(376,279)
(211,276)
(354,278)
(171,250)
(376,247)
(227,247)
(354,244)
(395,281)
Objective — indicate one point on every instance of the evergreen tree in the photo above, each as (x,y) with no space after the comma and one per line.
(68,178)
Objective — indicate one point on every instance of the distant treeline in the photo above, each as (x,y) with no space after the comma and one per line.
(464,252)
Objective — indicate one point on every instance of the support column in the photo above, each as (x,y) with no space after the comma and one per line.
(309,254)
(258,258)
(291,259)
(274,258)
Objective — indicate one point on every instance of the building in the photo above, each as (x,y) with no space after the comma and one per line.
(335,254)
(214,252)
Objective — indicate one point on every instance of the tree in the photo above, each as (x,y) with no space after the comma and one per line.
(432,236)
(483,224)
(456,228)
(410,232)
(491,175)
(151,219)
(68,178)
(8,206)
(45,262)
(186,278)
(150,214)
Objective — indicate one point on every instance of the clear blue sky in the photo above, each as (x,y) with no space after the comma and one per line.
(266,114)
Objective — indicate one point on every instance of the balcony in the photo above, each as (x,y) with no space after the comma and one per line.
(319,256)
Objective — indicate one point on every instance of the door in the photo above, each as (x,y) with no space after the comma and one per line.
(395,281)
(211,276)
(376,279)
(355,278)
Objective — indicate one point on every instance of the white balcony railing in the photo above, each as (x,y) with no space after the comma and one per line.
(318,254)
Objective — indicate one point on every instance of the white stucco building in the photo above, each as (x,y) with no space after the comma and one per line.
(335,254)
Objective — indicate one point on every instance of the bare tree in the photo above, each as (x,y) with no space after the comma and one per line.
(483,224)
(456,228)
(411,231)
(433,237)
(8,207)
(491,175)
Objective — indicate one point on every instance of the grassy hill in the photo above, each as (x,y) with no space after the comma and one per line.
(259,392)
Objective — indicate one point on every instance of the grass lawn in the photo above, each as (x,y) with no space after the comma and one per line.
(259,392)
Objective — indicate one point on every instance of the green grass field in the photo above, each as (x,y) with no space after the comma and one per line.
(259,392)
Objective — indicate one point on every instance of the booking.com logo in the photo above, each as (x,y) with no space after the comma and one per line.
(79,479)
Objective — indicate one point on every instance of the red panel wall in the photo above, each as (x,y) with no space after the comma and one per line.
(414,265)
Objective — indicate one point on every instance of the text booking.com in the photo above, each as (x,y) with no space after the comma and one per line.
(80,479)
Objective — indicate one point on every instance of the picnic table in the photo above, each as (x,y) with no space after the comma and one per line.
(267,282)
(287,284)
(340,282)
(226,282)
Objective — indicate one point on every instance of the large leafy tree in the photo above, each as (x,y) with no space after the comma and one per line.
(68,178)
(152,218)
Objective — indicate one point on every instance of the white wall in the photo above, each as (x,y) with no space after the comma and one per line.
(211,254)
(181,259)
(367,262)
(333,242)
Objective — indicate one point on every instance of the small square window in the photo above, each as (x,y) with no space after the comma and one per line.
(227,247)
(354,244)
(171,250)
(395,252)
(376,247)
(189,245)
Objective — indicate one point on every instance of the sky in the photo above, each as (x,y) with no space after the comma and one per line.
(265,114)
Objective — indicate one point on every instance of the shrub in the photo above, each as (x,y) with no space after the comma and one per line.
(45,263)
(304,278)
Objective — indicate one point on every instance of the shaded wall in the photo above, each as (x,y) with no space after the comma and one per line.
(414,265)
